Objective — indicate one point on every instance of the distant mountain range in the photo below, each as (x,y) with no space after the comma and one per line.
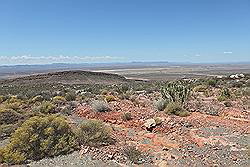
(13,71)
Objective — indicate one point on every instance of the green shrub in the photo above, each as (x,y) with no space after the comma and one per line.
(133,154)
(93,133)
(161,104)
(224,94)
(45,108)
(37,138)
(126,116)
(9,116)
(110,98)
(126,95)
(59,99)
(221,98)
(176,109)
(14,103)
(200,88)
(212,82)
(123,88)
(70,96)
(100,106)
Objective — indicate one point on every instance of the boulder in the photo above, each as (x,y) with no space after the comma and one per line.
(150,124)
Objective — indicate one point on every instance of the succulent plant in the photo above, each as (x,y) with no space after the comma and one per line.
(175,92)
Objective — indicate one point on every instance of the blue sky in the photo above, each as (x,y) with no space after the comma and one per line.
(79,31)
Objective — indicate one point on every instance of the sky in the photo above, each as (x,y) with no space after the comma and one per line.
(80,31)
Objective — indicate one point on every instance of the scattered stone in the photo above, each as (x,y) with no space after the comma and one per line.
(163,164)
(150,124)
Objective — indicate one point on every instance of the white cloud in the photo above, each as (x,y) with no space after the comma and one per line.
(197,55)
(28,59)
(227,52)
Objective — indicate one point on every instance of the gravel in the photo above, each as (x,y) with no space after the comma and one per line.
(73,160)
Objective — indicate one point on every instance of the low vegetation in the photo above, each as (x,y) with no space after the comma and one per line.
(9,116)
(39,137)
(93,133)
(126,116)
(176,109)
(133,154)
(100,106)
(176,92)
(161,104)
(110,98)
(224,94)
(45,107)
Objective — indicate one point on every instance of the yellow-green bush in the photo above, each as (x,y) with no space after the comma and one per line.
(45,108)
(39,137)
(110,98)
(93,133)
(200,88)
(14,103)
(176,109)
(221,98)
(59,99)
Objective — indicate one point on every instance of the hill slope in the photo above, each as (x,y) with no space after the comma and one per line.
(68,77)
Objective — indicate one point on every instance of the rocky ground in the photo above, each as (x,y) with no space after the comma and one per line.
(201,139)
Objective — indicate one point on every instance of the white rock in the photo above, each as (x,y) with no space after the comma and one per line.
(149,123)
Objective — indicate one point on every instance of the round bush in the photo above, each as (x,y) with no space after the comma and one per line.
(93,133)
(39,137)
(100,106)
(161,104)
(45,108)
(70,96)
(176,109)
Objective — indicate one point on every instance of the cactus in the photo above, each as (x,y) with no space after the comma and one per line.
(175,92)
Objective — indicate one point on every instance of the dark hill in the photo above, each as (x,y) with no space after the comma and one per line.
(68,77)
